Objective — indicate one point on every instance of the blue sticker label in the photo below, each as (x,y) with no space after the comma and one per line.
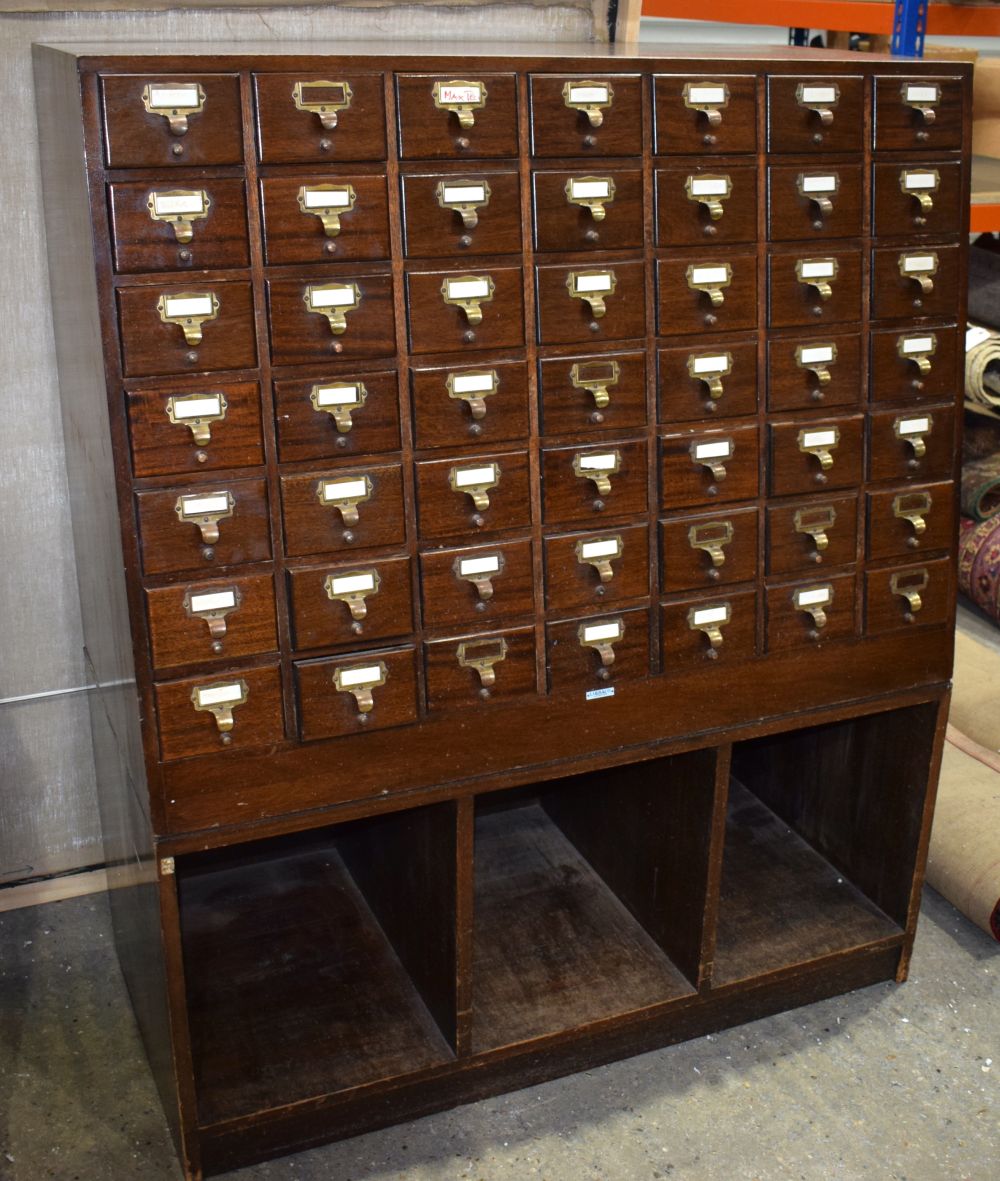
(594,694)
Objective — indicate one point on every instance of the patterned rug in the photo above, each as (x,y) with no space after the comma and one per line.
(979,563)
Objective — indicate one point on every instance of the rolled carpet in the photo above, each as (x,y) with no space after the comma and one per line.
(975,693)
(982,365)
(981,488)
(979,564)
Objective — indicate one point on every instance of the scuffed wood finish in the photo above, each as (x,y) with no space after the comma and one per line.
(292,235)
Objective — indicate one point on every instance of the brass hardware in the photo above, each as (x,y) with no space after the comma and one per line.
(921,268)
(816,359)
(205,510)
(919,349)
(468,292)
(464,197)
(591,192)
(339,399)
(359,680)
(220,699)
(908,584)
(707,98)
(709,621)
(821,99)
(712,537)
(814,600)
(212,606)
(710,280)
(462,99)
(816,523)
(914,432)
(598,468)
(325,100)
(711,455)
(475,482)
(345,495)
(352,588)
(167,866)
(817,273)
(197,412)
(328,203)
(821,444)
(592,287)
(480,572)
(175,101)
(189,311)
(710,368)
(919,183)
(602,637)
(923,97)
(817,187)
(592,98)
(333,300)
(600,552)
(482,656)
(709,191)
(179,208)
(595,377)
(913,507)
(473,387)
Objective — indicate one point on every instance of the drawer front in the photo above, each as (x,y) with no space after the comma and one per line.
(596,651)
(700,466)
(913,365)
(364,326)
(472,586)
(814,202)
(718,628)
(455,214)
(471,494)
(455,405)
(210,327)
(897,295)
(350,602)
(595,208)
(356,693)
(582,304)
(907,597)
(810,287)
(348,413)
(581,483)
(918,198)
(223,721)
(805,372)
(699,114)
(588,392)
(596,569)
(708,549)
(801,614)
(204,527)
(141,129)
(305,222)
(689,288)
(919,113)
(177,226)
(291,124)
(815,454)
(586,114)
(478,668)
(343,508)
(219,619)
(808,113)
(897,437)
(464,311)
(462,118)
(697,383)
(807,536)
(188,428)
(701,204)
(903,522)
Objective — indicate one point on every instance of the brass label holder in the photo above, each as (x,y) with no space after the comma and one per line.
(213,607)
(220,700)
(461,98)
(920,268)
(589,98)
(710,620)
(593,193)
(923,97)
(189,310)
(469,293)
(920,183)
(339,399)
(914,431)
(197,412)
(475,482)
(175,101)
(333,300)
(602,637)
(205,510)
(328,202)
(817,359)
(712,537)
(473,387)
(908,584)
(818,188)
(913,507)
(709,99)
(345,495)
(711,454)
(482,656)
(814,601)
(817,273)
(597,378)
(323,99)
(598,468)
(917,348)
(360,680)
(821,444)
(352,588)
(179,208)
(464,197)
(711,280)
(710,368)
(709,191)
(819,98)
(593,287)
(480,572)
(600,552)
(816,523)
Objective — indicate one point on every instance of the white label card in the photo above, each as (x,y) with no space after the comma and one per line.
(708,275)
(711,186)
(588,94)
(706,94)
(918,344)
(173,97)
(819,184)
(921,94)
(609,548)
(473,383)
(822,268)
(469,566)
(344,489)
(465,477)
(819,438)
(599,282)
(812,598)
(598,463)
(472,93)
(331,297)
(327,198)
(371,674)
(468,288)
(919,262)
(817,355)
(589,189)
(215,601)
(197,407)
(182,203)
(720,450)
(464,194)
(914,426)
(351,584)
(193,305)
(711,364)
(819,94)
(596,632)
(338,395)
(199,506)
(920,180)
(220,694)
(710,615)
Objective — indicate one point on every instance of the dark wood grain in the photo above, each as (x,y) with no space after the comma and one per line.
(684,481)
(432,231)
(574,584)
(328,712)
(789,627)
(682,130)
(321,622)
(312,527)
(299,335)
(567,409)
(683,311)
(560,224)
(791,386)
(899,126)
(897,212)
(684,645)
(895,379)
(793,127)
(683,221)
(794,304)
(891,536)
(185,731)
(885,610)
(792,551)
(427,132)
(294,236)
(895,297)
(792,216)
(307,433)
(570,664)
(568,496)
(447,513)
(286,135)
(797,472)
(451,686)
(560,130)
(683,397)
(437,327)
(564,319)
(684,566)
(891,458)
(449,600)
(443,421)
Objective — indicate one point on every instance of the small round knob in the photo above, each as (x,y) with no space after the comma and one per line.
(817,395)
(216,646)
(917,384)
(337,347)
(923,136)
(192,356)
(603,674)
(177,149)
(468,336)
(709,230)
(592,235)
(598,506)
(711,654)
(184,255)
(813,633)
(594,326)
(711,319)
(478,520)
(817,137)
(918,303)
(465,240)
(820,477)
(475,428)
(484,693)
(462,142)
(590,141)
(713,574)
(201,456)
(913,542)
(817,310)
(817,224)
(709,140)
(325,145)
(348,536)
(208,553)
(330,247)
(357,627)
(600,590)
(597,417)
(913,463)
(710,406)
(341,442)
(480,606)
(225,739)
(713,490)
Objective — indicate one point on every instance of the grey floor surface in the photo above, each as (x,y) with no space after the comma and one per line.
(890,1083)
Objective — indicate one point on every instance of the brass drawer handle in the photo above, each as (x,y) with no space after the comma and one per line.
(323,99)
(814,601)
(710,280)
(923,97)
(818,273)
(817,524)
(711,538)
(710,621)
(212,606)
(327,202)
(480,572)
(469,292)
(709,191)
(473,387)
(917,348)
(475,482)
(482,656)
(360,680)
(339,399)
(597,378)
(175,101)
(352,588)
(820,99)
(598,468)
(913,507)
(821,444)
(197,412)
(333,300)
(921,268)
(602,637)
(189,311)
(600,552)
(345,495)
(205,510)
(908,584)
(817,359)
(462,99)
(914,431)
(220,699)
(711,454)
(920,183)
(593,287)
(179,208)
(710,368)
(590,98)
(592,193)
(709,99)
(464,197)
(819,189)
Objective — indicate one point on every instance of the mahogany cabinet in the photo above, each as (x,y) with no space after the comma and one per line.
(514,505)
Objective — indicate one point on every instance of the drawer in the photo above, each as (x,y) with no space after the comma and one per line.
(187,121)
(907,596)
(321,217)
(457,405)
(208,714)
(457,311)
(708,549)
(220,619)
(607,478)
(706,293)
(455,214)
(577,304)
(586,114)
(918,113)
(698,204)
(475,585)
(808,534)
(918,198)
(469,494)
(699,466)
(902,522)
(480,667)
(203,526)
(596,569)
(356,693)
(178,226)
(919,281)
(719,628)
(804,372)
(717,382)
(814,202)
(348,603)
(349,414)
(911,444)
(331,315)
(801,614)
(588,209)
(605,391)
(697,113)
(913,365)
(809,287)
(191,428)
(821,112)
(468,118)
(189,329)
(811,455)
(310,119)
(355,508)
(596,651)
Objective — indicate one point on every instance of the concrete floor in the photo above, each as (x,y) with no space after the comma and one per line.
(889,1084)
